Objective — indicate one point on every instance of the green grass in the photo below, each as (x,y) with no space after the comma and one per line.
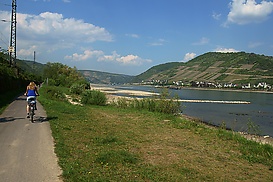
(104,143)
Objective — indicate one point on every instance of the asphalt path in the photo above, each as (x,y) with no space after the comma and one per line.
(26,149)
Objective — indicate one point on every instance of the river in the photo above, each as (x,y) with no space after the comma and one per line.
(256,117)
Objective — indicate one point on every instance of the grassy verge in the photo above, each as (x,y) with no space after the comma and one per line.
(104,143)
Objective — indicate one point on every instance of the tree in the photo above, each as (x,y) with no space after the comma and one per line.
(62,75)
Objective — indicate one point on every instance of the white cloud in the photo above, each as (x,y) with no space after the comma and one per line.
(249,11)
(100,56)
(132,60)
(225,50)
(202,41)
(4,24)
(55,26)
(87,54)
(27,52)
(159,42)
(189,56)
(51,31)
(125,60)
(216,16)
(133,35)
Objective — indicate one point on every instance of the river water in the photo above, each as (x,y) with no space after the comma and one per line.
(256,117)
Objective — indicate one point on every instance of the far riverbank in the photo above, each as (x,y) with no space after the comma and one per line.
(213,89)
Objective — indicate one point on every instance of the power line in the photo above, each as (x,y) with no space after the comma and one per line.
(3,38)
(4,41)
(5,4)
(2,35)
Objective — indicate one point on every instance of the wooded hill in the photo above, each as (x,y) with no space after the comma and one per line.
(105,78)
(237,67)
(32,67)
(15,77)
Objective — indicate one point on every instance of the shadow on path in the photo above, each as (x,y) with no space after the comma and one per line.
(9,119)
(39,119)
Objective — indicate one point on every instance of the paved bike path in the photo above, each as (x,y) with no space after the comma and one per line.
(26,149)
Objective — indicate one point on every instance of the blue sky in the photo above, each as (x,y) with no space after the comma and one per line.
(131,36)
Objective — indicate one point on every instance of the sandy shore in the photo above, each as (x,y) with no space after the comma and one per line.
(130,93)
(110,90)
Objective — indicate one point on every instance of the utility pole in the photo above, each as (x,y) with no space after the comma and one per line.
(12,47)
(34,57)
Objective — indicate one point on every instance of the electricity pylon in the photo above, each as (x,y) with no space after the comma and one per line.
(12,47)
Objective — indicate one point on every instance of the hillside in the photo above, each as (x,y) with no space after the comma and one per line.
(16,77)
(215,67)
(105,78)
(31,67)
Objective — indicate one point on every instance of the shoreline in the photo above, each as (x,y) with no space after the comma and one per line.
(190,88)
(230,90)
(114,91)
(110,94)
(257,138)
(214,89)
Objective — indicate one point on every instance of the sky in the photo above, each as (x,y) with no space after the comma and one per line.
(130,36)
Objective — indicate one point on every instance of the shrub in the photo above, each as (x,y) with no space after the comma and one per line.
(93,97)
(164,104)
(77,88)
(54,93)
(51,82)
(121,103)
(169,106)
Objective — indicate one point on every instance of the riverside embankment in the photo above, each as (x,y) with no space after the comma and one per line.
(248,112)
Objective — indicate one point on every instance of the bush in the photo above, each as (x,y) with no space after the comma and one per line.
(164,104)
(54,93)
(93,97)
(169,106)
(121,103)
(77,88)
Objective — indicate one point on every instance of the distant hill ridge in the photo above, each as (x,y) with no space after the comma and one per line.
(215,67)
(105,78)
(237,67)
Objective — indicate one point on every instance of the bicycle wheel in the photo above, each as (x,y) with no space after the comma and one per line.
(32,114)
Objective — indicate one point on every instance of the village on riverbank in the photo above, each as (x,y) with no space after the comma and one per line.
(260,87)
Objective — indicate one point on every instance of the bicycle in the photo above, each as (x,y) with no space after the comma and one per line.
(32,106)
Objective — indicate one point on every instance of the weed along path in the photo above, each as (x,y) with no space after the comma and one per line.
(26,149)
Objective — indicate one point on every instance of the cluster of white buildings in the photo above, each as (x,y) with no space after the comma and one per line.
(155,82)
(177,84)
(260,86)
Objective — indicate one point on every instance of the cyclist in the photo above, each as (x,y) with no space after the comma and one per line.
(31,93)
